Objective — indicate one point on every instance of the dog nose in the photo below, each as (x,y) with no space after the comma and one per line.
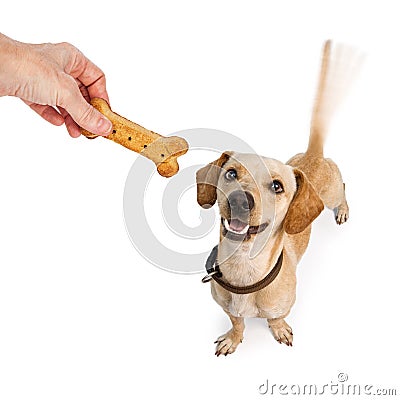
(241,201)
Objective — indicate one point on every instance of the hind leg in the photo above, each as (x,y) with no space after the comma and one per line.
(333,192)
(341,212)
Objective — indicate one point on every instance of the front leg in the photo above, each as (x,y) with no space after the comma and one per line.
(227,343)
(281,330)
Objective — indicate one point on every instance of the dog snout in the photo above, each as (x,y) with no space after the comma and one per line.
(241,201)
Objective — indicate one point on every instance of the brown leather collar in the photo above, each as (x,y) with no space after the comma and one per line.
(253,230)
(216,274)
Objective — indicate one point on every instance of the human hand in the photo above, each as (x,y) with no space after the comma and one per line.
(55,80)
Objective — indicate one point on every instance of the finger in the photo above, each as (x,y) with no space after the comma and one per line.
(83,89)
(81,111)
(48,113)
(72,127)
(90,75)
(98,89)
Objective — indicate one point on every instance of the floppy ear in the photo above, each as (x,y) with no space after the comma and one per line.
(207,179)
(306,205)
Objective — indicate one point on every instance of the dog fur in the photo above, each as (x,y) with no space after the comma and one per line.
(309,183)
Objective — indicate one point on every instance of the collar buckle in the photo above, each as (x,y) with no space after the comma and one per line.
(209,276)
(211,266)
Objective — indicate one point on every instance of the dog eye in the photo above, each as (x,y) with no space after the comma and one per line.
(277,186)
(231,175)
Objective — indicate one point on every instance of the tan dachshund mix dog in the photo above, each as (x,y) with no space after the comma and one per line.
(267,208)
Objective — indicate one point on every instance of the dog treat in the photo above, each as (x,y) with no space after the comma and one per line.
(163,151)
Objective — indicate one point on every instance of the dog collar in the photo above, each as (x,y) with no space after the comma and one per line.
(245,236)
(213,272)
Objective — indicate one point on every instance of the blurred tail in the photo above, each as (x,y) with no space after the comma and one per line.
(338,69)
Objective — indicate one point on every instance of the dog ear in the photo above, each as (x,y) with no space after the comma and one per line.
(306,205)
(207,179)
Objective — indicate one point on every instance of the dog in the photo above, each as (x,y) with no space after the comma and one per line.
(266,210)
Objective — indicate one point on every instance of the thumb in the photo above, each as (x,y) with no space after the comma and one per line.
(86,116)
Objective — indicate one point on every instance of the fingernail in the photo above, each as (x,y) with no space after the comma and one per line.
(104,126)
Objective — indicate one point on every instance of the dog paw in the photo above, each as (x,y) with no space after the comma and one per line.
(227,343)
(282,331)
(342,214)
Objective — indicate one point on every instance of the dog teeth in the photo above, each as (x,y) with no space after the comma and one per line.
(244,230)
(226,225)
(228,228)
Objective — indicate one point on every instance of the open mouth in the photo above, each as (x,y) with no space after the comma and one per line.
(236,229)
(236,226)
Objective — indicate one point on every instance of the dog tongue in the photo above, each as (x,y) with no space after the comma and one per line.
(237,225)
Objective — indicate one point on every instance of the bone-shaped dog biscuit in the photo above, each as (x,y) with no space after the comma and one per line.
(163,151)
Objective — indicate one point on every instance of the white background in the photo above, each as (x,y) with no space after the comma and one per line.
(83,315)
